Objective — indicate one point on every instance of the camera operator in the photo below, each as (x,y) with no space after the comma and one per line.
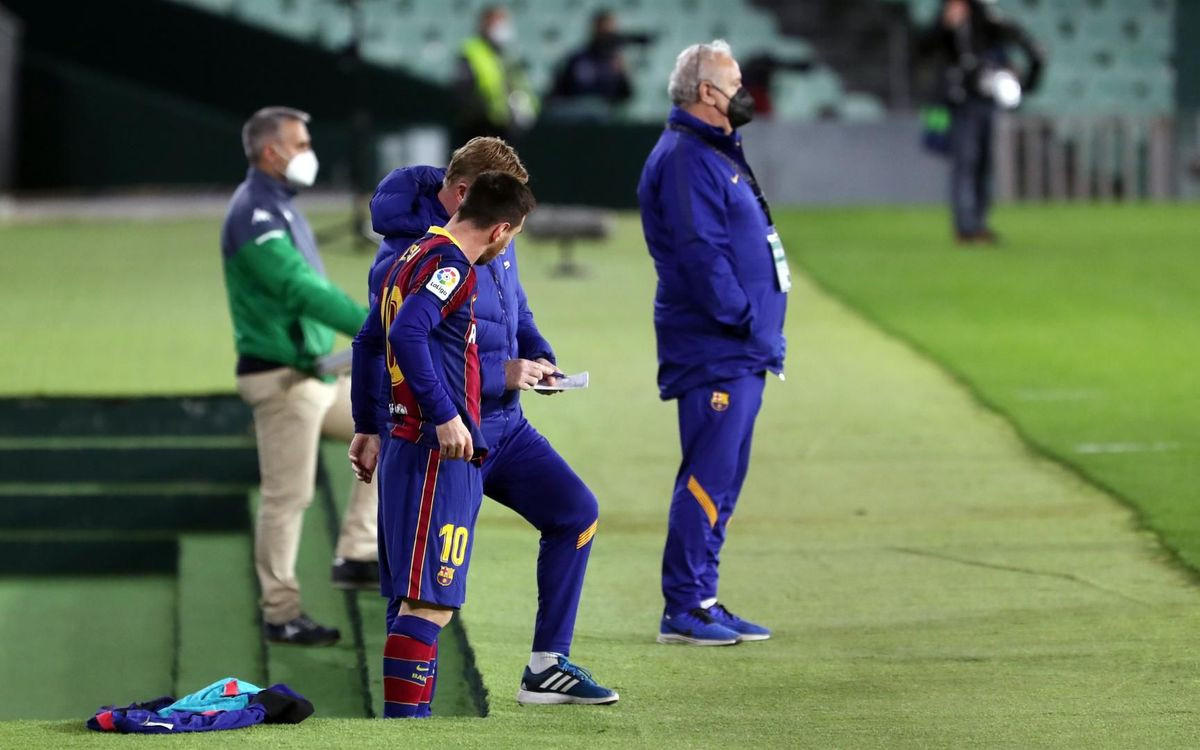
(976,76)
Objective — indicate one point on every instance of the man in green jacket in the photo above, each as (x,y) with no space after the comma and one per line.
(285,313)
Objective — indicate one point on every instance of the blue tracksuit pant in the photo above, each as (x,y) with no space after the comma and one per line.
(525,473)
(716,423)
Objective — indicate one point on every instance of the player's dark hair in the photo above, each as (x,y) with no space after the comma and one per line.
(495,198)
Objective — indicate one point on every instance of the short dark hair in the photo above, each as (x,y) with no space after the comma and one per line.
(494,198)
(263,127)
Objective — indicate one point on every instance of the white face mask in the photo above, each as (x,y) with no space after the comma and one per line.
(503,33)
(302,169)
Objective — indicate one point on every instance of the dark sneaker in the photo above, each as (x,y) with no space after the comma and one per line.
(301,631)
(695,628)
(355,574)
(746,630)
(563,683)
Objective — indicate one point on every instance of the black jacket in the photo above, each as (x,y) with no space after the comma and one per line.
(984,42)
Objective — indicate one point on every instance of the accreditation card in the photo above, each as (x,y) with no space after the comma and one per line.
(783,274)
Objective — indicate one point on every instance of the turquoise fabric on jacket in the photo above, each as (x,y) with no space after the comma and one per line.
(226,694)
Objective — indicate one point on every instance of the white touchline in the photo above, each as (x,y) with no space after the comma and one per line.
(1057,394)
(1158,447)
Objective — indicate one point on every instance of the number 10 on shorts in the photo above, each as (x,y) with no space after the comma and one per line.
(454,543)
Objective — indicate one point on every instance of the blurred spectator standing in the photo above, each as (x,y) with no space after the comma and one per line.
(494,95)
(972,43)
(593,81)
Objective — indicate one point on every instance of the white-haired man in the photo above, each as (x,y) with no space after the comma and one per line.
(718,316)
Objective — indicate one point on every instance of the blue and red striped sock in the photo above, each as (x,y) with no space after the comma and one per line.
(408,662)
(425,710)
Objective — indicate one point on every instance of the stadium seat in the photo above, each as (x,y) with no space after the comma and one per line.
(423,37)
(296,18)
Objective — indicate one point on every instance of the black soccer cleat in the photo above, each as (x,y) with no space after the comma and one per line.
(301,631)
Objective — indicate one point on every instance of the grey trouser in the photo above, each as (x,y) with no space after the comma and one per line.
(971,165)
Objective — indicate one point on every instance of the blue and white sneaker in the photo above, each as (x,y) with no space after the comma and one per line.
(746,630)
(563,683)
(695,627)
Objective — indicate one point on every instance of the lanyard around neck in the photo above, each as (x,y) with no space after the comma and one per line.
(741,167)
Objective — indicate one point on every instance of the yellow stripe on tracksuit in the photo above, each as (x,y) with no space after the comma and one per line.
(586,535)
(710,508)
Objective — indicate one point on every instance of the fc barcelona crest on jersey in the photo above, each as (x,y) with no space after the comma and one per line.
(445,575)
(720,401)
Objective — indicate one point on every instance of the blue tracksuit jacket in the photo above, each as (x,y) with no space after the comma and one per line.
(718,312)
(403,208)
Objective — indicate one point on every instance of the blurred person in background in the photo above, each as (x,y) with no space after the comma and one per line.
(758,73)
(493,91)
(285,312)
(593,81)
(971,43)
(718,316)
(523,471)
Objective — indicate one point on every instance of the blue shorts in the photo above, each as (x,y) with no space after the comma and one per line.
(427,514)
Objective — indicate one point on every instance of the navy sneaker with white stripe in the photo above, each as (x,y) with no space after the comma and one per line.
(563,683)
(746,630)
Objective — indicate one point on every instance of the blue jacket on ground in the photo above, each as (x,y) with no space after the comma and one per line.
(718,311)
(403,208)
(228,703)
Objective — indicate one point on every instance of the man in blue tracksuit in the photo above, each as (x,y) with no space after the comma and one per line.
(522,470)
(718,316)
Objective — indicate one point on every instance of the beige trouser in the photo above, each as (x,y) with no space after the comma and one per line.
(291,413)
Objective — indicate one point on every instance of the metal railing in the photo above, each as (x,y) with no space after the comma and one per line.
(1084,158)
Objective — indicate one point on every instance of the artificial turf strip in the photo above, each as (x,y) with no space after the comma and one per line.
(931,583)
(217,618)
(73,644)
(1082,327)
(328,676)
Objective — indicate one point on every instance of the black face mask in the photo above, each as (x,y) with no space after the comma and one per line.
(741,107)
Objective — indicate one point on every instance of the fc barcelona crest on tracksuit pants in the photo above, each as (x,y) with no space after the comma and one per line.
(716,423)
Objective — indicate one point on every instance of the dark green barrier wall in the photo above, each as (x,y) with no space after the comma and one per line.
(134,92)
(590,165)
(145,92)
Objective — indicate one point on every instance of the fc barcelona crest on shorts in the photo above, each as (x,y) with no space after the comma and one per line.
(445,575)
(720,401)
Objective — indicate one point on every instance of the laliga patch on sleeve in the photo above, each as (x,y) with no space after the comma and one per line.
(442,282)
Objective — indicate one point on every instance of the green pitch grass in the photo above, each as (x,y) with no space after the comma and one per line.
(931,581)
(1083,328)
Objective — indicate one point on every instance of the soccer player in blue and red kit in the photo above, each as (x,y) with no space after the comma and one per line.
(430,485)
(523,471)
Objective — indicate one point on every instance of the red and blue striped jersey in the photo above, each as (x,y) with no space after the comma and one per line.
(426,306)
